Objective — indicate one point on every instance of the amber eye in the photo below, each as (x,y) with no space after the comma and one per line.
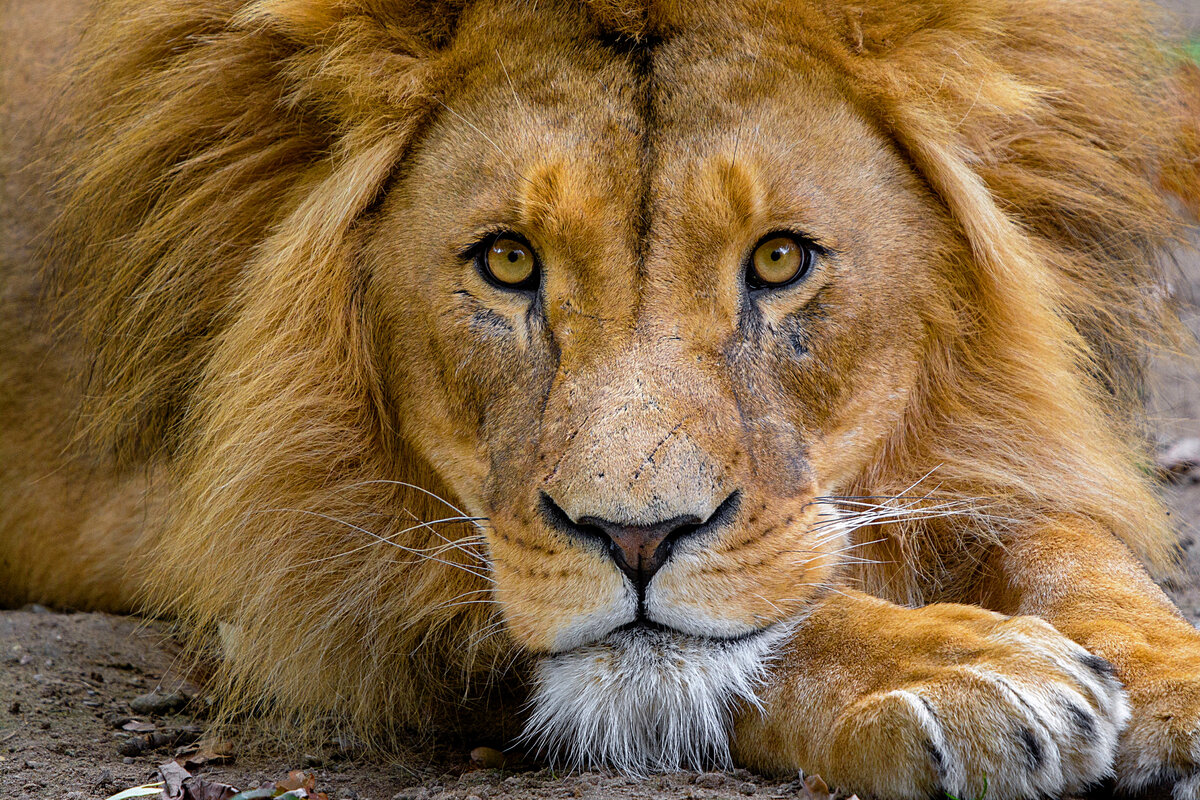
(779,259)
(510,263)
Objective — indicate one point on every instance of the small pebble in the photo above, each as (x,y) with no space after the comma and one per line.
(104,780)
(748,788)
(710,780)
(347,748)
(488,758)
(414,793)
(132,746)
(158,703)
(118,720)
(135,726)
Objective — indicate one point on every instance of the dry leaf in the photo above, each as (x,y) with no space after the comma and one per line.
(179,784)
(203,789)
(297,780)
(172,776)
(206,754)
(814,788)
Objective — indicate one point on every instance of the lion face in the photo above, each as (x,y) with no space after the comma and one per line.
(651,337)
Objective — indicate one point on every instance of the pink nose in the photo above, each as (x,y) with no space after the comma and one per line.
(638,550)
(641,550)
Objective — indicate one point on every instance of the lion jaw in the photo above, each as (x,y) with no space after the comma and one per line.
(647,700)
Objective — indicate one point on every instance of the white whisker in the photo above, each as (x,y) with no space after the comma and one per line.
(414,487)
(424,554)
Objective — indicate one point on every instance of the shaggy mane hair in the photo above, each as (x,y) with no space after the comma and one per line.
(223,152)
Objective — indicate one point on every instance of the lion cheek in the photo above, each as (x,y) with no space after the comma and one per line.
(550,605)
(731,602)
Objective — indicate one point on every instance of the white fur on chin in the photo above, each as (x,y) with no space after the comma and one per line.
(643,701)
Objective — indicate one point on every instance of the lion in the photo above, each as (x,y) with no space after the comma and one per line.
(703,383)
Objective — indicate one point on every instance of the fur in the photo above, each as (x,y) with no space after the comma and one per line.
(288,426)
(646,702)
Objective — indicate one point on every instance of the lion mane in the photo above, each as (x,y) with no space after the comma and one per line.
(223,156)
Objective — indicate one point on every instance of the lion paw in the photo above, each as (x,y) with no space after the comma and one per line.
(1030,714)
(1160,749)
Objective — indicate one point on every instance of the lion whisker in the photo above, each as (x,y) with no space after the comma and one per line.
(876,514)
(817,554)
(486,632)
(839,551)
(768,602)
(466,603)
(825,586)
(850,560)
(508,78)
(378,540)
(452,542)
(423,554)
(417,488)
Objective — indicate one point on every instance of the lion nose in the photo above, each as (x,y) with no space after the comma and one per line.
(639,551)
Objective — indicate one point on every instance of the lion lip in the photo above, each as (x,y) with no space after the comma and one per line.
(643,626)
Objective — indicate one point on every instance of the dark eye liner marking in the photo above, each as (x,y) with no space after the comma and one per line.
(811,251)
(477,253)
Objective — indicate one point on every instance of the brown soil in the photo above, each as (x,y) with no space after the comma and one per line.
(66,680)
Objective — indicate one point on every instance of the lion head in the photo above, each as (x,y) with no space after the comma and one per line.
(597,335)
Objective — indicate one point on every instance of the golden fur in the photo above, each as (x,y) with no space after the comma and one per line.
(259,212)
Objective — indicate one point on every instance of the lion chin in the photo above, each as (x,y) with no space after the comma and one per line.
(647,699)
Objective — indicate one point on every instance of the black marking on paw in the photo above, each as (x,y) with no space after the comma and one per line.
(1098,665)
(1034,756)
(1020,698)
(1160,781)
(936,756)
(1083,720)
(938,759)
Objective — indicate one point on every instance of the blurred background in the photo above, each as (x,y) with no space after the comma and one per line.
(1175,391)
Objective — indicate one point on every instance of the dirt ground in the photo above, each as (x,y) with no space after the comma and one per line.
(67,681)
(66,686)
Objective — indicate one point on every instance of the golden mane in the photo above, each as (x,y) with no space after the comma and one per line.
(225,153)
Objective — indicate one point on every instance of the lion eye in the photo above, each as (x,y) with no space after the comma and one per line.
(779,259)
(510,263)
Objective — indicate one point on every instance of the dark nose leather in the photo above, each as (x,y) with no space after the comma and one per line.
(641,550)
(638,550)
